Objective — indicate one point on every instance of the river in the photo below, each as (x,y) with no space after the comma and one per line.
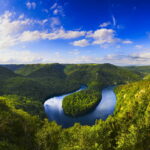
(53,109)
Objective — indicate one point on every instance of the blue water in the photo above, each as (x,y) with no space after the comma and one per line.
(54,110)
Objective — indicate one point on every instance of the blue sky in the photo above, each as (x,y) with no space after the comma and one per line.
(75,31)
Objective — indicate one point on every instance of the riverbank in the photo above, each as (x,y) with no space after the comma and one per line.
(54,110)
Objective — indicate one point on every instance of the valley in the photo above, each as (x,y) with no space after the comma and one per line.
(92,118)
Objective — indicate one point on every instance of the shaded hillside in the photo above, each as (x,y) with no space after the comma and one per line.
(141,69)
(6,73)
(51,70)
(13,67)
(28,69)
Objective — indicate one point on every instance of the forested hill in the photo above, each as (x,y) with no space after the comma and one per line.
(12,67)
(127,129)
(141,69)
(42,81)
(22,126)
(6,73)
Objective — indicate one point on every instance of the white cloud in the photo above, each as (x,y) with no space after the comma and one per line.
(20,56)
(15,31)
(81,43)
(58,34)
(30,36)
(142,58)
(127,42)
(105,24)
(31,5)
(62,34)
(103,36)
(9,29)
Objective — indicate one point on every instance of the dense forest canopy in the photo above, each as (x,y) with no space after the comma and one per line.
(43,81)
(81,102)
(22,121)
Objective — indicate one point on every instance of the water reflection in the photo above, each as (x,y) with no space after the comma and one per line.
(54,110)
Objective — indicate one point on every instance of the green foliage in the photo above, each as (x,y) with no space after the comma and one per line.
(26,104)
(48,136)
(141,69)
(6,73)
(22,126)
(127,129)
(147,77)
(81,102)
(13,67)
(43,81)
(28,69)
(17,127)
(133,109)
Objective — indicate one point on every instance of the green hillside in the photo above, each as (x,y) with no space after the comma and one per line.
(28,69)
(141,69)
(127,129)
(40,82)
(13,67)
(6,73)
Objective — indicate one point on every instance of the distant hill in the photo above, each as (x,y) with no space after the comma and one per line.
(12,67)
(141,69)
(6,73)
(41,81)
(49,70)
(28,69)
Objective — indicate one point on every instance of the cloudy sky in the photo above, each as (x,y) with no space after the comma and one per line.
(75,31)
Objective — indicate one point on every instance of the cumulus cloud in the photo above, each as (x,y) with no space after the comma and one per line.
(81,43)
(31,5)
(9,29)
(103,36)
(58,34)
(15,31)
